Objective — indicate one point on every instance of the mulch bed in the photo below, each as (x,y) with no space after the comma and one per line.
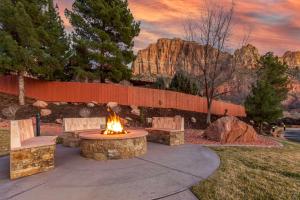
(193,136)
(71,110)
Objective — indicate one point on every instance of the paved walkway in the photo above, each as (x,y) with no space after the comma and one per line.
(292,134)
(163,173)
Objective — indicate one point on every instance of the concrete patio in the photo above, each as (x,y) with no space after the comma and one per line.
(163,173)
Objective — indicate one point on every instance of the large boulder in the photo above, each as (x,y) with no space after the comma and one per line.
(230,130)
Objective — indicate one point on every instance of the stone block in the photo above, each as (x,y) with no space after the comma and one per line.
(71,139)
(29,161)
(167,137)
(4,142)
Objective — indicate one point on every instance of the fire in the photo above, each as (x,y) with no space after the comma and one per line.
(114,125)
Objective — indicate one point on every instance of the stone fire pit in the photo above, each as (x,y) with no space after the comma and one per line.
(98,146)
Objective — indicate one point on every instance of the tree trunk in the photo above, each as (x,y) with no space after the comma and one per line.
(21,88)
(208,117)
(260,128)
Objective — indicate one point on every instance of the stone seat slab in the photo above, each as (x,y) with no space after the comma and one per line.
(29,154)
(167,130)
(73,127)
(37,142)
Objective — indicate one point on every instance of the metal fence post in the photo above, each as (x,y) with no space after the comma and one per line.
(38,127)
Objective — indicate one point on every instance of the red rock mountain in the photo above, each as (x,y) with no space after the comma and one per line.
(167,56)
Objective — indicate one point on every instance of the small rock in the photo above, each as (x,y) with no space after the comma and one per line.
(75,104)
(136,112)
(108,81)
(112,105)
(84,112)
(59,121)
(40,104)
(46,112)
(63,103)
(125,83)
(90,105)
(95,102)
(10,112)
(266,123)
(133,107)
(56,103)
(117,109)
(128,119)
(252,122)
(149,120)
(193,119)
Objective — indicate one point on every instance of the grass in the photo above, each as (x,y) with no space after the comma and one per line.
(254,173)
(4,142)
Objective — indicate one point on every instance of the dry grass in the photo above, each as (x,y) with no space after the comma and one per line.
(254,173)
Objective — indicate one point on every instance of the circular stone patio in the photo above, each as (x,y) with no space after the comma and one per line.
(163,173)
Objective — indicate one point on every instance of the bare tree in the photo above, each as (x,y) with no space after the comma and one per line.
(212,30)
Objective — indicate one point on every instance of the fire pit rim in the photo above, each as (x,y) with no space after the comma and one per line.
(96,135)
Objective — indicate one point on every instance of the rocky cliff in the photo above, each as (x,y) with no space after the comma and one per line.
(247,57)
(167,56)
(292,59)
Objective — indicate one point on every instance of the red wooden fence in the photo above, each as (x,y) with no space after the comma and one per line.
(104,93)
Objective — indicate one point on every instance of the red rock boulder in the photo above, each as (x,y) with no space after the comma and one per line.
(230,130)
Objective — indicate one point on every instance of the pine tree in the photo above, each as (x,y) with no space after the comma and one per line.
(264,102)
(32,40)
(103,39)
(181,82)
(275,72)
(263,105)
(56,45)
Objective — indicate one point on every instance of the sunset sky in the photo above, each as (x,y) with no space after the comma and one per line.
(274,24)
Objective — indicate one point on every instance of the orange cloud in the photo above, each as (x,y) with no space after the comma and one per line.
(275,24)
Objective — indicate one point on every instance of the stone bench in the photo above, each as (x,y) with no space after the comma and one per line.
(29,154)
(72,127)
(167,130)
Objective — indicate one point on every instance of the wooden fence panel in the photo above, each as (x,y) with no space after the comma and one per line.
(104,93)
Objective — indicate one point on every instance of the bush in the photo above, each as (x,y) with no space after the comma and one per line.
(161,83)
(181,82)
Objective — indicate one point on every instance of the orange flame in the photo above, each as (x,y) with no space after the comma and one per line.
(114,125)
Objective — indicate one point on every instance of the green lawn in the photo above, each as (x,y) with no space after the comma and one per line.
(254,173)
